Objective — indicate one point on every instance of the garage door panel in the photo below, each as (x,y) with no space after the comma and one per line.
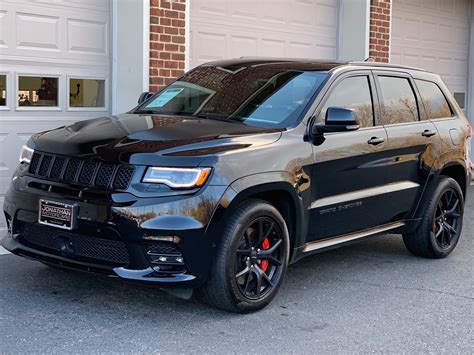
(62,34)
(243,46)
(37,32)
(231,28)
(63,39)
(433,35)
(272,47)
(87,37)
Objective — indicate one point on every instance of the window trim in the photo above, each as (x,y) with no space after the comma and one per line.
(8,91)
(104,108)
(425,114)
(19,108)
(333,85)
(400,75)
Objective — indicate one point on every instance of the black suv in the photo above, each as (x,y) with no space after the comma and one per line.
(240,167)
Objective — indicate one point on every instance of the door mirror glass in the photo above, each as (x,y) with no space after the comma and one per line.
(144,96)
(338,119)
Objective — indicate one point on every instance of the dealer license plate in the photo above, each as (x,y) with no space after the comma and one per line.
(57,214)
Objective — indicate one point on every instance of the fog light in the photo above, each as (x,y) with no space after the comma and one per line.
(165,254)
(166,259)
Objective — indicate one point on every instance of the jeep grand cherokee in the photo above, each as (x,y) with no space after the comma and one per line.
(240,167)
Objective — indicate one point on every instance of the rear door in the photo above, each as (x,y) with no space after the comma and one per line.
(412,142)
(347,177)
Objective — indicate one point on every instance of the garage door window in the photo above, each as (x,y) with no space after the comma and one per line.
(434,101)
(3,90)
(86,92)
(37,91)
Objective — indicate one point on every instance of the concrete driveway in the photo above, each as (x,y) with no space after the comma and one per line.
(369,297)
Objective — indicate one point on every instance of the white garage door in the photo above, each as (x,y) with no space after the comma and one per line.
(433,35)
(277,28)
(54,70)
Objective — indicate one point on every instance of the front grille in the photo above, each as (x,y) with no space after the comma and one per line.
(45,164)
(74,245)
(86,172)
(57,168)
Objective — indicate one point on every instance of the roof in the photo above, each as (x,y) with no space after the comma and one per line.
(298,63)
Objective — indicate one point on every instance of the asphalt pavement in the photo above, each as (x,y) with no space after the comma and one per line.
(369,297)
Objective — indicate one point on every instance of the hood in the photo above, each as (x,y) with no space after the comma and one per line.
(142,139)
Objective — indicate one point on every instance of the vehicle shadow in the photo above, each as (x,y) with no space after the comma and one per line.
(87,292)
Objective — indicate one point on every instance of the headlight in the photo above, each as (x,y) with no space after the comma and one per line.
(26,154)
(177,177)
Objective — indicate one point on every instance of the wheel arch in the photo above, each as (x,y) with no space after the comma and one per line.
(457,171)
(274,188)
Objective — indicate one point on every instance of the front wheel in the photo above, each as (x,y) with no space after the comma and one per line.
(251,259)
(441,224)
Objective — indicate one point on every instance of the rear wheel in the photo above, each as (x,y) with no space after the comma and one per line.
(441,224)
(251,259)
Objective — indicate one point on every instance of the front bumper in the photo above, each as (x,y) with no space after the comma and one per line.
(116,233)
(11,243)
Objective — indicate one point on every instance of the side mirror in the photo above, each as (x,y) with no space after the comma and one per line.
(144,96)
(338,119)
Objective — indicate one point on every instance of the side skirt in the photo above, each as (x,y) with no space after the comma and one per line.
(335,242)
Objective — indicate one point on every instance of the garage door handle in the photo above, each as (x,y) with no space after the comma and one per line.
(428,133)
(376,140)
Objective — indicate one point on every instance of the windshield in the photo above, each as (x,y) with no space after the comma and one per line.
(257,96)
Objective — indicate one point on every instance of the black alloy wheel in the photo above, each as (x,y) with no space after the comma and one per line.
(447,219)
(441,217)
(251,259)
(258,263)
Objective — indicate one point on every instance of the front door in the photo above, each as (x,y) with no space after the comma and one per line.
(348,176)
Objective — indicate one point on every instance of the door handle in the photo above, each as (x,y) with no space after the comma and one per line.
(376,140)
(428,133)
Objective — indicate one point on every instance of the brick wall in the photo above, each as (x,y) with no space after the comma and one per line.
(379,43)
(167,33)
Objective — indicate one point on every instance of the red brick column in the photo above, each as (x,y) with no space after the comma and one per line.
(167,33)
(379,43)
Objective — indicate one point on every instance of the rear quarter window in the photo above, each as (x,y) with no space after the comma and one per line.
(434,101)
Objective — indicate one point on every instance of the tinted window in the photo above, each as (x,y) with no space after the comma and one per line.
(398,102)
(352,93)
(267,96)
(434,101)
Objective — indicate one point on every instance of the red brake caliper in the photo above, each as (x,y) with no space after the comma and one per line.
(264,264)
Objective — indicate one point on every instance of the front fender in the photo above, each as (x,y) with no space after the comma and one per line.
(263,184)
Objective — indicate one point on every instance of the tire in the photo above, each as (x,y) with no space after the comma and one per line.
(254,223)
(441,224)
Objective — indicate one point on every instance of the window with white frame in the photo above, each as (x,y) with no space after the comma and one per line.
(3,90)
(86,93)
(37,91)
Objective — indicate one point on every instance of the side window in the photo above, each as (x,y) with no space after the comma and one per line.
(398,101)
(436,105)
(353,92)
